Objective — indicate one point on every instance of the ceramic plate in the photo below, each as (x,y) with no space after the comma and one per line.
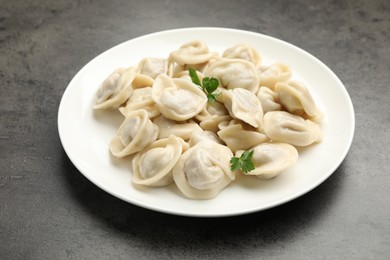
(85,134)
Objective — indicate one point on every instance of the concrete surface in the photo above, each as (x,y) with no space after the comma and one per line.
(48,210)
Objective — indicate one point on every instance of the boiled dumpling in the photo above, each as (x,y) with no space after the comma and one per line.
(178,99)
(212,115)
(234,73)
(181,71)
(153,166)
(270,75)
(135,133)
(153,67)
(180,129)
(116,89)
(284,127)
(199,136)
(244,105)
(203,170)
(186,75)
(141,98)
(270,159)
(212,109)
(243,51)
(211,123)
(295,97)
(141,81)
(268,99)
(193,52)
(238,136)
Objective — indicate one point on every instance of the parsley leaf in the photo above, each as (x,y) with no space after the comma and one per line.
(235,163)
(243,163)
(194,77)
(208,85)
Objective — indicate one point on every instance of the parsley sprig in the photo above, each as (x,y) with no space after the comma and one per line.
(243,163)
(208,85)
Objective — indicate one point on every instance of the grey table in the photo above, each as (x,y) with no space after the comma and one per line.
(48,210)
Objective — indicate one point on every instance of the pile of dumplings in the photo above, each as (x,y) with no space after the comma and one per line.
(176,135)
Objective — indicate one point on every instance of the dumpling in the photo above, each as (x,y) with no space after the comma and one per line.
(181,71)
(186,75)
(199,136)
(135,133)
(193,52)
(243,51)
(116,89)
(284,127)
(270,159)
(141,81)
(203,170)
(212,115)
(178,99)
(268,99)
(211,123)
(141,98)
(153,67)
(212,109)
(180,129)
(295,97)
(234,73)
(244,105)
(238,136)
(270,75)
(153,166)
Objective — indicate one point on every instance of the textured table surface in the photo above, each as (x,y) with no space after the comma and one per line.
(48,210)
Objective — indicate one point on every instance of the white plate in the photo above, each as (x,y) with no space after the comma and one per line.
(85,134)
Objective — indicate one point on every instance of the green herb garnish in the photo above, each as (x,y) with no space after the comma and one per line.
(208,85)
(243,163)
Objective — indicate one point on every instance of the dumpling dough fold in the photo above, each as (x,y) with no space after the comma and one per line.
(270,159)
(296,98)
(153,166)
(268,99)
(212,115)
(244,105)
(141,98)
(116,89)
(178,99)
(193,52)
(203,170)
(237,136)
(234,73)
(243,51)
(135,133)
(274,73)
(179,129)
(281,126)
(153,67)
